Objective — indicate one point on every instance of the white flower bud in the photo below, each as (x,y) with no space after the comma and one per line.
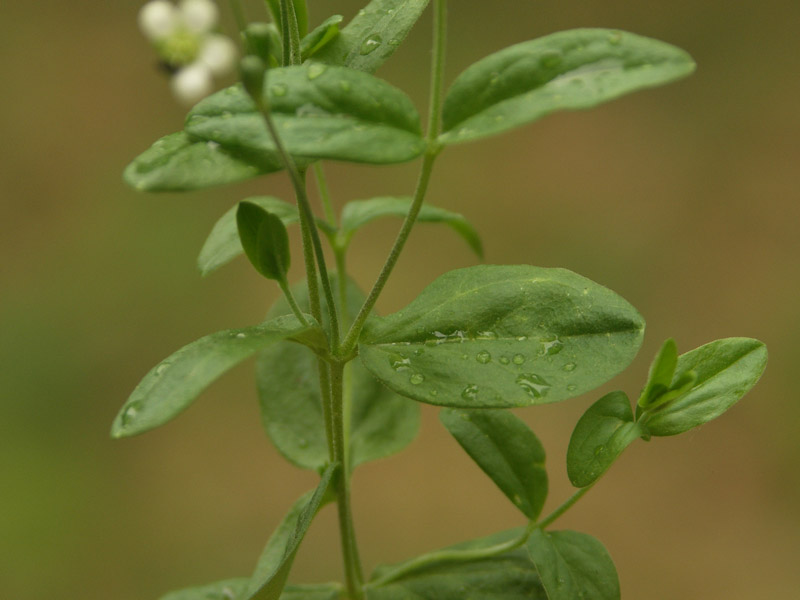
(218,53)
(199,16)
(192,83)
(158,19)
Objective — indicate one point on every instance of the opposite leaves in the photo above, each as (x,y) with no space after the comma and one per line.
(572,69)
(503,336)
(264,239)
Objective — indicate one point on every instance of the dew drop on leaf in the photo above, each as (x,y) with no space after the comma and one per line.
(315,70)
(278,89)
(416,378)
(570,366)
(551,59)
(162,367)
(572,387)
(470,392)
(483,357)
(371,43)
(504,360)
(599,450)
(552,346)
(615,38)
(130,412)
(518,359)
(534,385)
(399,363)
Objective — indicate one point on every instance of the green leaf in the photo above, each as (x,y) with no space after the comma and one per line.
(573,565)
(178,163)
(568,70)
(172,385)
(223,244)
(323,591)
(661,371)
(380,423)
(358,213)
(228,589)
(373,35)
(322,35)
(507,576)
(506,450)
(600,436)
(725,370)
(276,559)
(264,239)
(502,336)
(320,112)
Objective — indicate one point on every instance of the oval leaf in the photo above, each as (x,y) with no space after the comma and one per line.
(172,385)
(573,565)
(177,163)
(358,213)
(381,423)
(725,371)
(373,35)
(264,239)
(506,450)
(572,69)
(503,336)
(320,112)
(276,559)
(223,243)
(600,436)
(661,371)
(507,576)
(322,35)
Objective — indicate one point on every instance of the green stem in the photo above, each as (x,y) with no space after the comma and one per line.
(324,195)
(290,34)
(310,233)
(352,563)
(434,124)
(324,373)
(548,520)
(284,285)
(451,556)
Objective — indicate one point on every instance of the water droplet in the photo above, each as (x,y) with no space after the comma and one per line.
(552,346)
(487,335)
(517,500)
(228,594)
(483,357)
(302,442)
(560,581)
(470,392)
(315,70)
(400,363)
(570,366)
(371,43)
(518,359)
(600,450)
(162,367)
(572,387)
(362,12)
(615,38)
(464,356)
(345,85)
(278,89)
(419,351)
(416,378)
(130,412)
(394,42)
(551,59)
(434,393)
(522,338)
(241,335)
(504,360)
(534,385)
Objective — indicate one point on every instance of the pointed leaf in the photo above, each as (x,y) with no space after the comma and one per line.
(568,70)
(503,336)
(661,371)
(322,35)
(380,423)
(507,576)
(320,112)
(223,244)
(228,589)
(725,371)
(373,35)
(573,565)
(600,436)
(276,560)
(358,213)
(264,239)
(172,385)
(506,450)
(177,162)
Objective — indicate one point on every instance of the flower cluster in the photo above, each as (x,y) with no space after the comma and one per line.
(186,40)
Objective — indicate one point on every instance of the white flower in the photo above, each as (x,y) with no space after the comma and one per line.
(192,83)
(185,39)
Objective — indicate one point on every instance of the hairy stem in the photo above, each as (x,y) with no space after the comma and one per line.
(284,285)
(435,109)
(549,519)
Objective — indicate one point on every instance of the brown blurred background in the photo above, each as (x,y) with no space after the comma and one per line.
(684,200)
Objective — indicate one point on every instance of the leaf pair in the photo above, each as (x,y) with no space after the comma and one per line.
(223,243)
(682,392)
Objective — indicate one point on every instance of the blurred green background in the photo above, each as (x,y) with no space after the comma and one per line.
(684,200)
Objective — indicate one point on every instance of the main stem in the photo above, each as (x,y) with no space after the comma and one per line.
(432,151)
